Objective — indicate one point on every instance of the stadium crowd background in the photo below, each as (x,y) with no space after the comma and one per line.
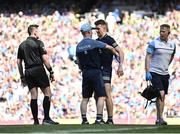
(59,25)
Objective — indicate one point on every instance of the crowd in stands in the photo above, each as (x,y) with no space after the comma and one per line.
(46,7)
(60,33)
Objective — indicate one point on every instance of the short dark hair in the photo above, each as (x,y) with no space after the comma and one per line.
(101,22)
(31,28)
(165,25)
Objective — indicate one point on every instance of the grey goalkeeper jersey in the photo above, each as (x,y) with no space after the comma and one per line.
(162,52)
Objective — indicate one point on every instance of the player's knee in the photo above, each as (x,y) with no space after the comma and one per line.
(34,93)
(108,95)
(47,91)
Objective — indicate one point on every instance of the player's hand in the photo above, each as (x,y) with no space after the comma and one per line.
(120,71)
(23,81)
(148,76)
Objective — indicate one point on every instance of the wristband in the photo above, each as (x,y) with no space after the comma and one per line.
(51,72)
(49,69)
(118,59)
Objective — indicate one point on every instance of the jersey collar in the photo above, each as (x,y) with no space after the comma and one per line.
(103,36)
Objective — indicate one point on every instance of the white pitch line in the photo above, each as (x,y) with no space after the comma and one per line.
(101,131)
(107,130)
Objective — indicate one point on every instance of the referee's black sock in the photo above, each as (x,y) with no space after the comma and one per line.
(46,106)
(34,109)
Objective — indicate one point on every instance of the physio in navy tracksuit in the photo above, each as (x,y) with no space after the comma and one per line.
(88,60)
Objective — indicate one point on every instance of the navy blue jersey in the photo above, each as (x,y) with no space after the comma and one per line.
(106,56)
(87,52)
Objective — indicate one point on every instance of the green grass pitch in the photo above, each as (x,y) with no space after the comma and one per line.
(81,129)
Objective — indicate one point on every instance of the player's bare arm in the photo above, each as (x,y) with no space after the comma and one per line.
(112,49)
(22,76)
(20,67)
(121,59)
(48,66)
(147,61)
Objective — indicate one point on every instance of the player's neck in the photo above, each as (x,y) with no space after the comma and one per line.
(33,36)
(103,35)
(165,39)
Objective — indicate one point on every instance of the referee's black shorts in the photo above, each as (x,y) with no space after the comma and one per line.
(92,82)
(36,77)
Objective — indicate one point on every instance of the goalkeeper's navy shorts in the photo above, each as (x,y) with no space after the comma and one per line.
(92,82)
(36,77)
(160,82)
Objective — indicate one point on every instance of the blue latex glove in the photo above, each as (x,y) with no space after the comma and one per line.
(148,76)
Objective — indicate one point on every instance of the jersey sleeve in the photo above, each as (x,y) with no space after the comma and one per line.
(151,47)
(42,48)
(112,42)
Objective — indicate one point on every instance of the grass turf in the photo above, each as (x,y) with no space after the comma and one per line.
(89,129)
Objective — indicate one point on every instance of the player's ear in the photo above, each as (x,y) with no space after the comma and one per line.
(35,33)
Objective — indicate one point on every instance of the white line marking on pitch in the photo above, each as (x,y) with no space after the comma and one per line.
(107,130)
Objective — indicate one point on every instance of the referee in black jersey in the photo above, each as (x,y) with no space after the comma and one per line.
(34,55)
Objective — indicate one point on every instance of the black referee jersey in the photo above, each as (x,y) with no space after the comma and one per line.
(31,51)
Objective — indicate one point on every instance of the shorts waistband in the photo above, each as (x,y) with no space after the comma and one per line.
(32,66)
